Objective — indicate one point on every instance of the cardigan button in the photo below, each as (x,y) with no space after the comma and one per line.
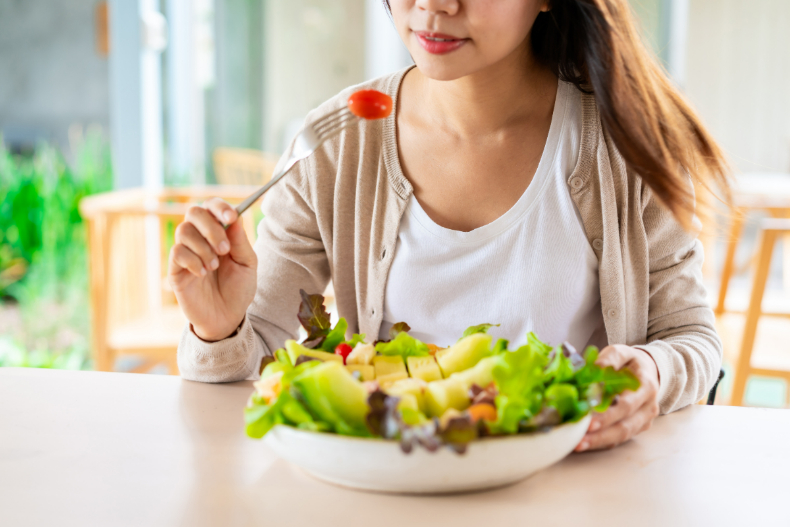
(598,244)
(577,183)
(612,313)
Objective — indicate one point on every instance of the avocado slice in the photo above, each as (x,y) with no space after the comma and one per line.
(453,392)
(295,350)
(444,394)
(464,354)
(335,397)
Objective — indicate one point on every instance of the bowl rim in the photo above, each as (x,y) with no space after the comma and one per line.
(488,439)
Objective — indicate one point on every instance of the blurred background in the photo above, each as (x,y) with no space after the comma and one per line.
(115,116)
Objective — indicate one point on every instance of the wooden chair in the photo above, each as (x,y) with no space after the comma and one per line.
(130,233)
(241,166)
(769,193)
(770,230)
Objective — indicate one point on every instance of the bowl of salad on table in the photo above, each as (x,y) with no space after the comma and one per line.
(406,416)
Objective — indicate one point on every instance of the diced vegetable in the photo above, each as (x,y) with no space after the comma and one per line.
(389,369)
(486,412)
(424,368)
(414,388)
(366,371)
(362,354)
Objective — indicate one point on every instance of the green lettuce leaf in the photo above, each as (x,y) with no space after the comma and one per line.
(560,368)
(260,417)
(335,336)
(399,327)
(480,328)
(564,398)
(538,345)
(601,385)
(518,376)
(500,346)
(356,339)
(404,345)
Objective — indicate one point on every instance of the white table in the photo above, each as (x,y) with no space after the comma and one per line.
(107,449)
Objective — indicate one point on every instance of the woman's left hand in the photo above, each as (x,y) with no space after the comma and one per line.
(632,412)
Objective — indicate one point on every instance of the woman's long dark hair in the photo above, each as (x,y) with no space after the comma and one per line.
(595,45)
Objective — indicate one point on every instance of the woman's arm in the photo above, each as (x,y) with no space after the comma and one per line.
(291,255)
(681,332)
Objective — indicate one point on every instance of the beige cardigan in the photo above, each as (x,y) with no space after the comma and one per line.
(337,214)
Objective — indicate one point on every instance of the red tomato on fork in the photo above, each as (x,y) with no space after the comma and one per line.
(370,104)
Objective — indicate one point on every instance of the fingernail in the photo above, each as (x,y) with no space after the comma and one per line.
(595,426)
(203,271)
(227,216)
(224,247)
(584,445)
(214,264)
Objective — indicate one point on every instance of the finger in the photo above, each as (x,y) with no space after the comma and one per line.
(240,249)
(615,356)
(187,234)
(210,228)
(221,210)
(619,432)
(627,404)
(182,258)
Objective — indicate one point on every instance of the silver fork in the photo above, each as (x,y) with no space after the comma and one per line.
(306,142)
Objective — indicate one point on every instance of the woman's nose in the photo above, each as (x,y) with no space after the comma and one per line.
(446,7)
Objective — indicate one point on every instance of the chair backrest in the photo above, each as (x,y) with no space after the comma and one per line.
(130,233)
(241,166)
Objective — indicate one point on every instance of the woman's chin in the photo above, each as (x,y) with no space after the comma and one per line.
(441,69)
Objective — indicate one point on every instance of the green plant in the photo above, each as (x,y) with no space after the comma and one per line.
(14,355)
(40,222)
(43,254)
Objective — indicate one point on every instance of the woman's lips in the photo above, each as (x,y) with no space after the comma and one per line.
(439,44)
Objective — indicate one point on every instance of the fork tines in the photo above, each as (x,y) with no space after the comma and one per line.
(333,122)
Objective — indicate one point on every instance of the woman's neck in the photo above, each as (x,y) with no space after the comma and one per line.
(490,100)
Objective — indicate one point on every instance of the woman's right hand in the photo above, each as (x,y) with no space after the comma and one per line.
(213,270)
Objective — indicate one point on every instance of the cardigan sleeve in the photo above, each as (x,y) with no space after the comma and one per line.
(681,333)
(291,256)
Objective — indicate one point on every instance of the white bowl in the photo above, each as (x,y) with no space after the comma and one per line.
(379,465)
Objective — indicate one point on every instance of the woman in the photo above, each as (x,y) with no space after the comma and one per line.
(534,173)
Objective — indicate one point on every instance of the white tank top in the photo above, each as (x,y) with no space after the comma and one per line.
(532,269)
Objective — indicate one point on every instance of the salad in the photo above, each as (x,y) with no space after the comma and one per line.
(419,394)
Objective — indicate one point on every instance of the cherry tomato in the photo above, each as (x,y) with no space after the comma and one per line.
(343,350)
(370,104)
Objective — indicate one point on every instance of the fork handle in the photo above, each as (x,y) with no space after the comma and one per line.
(247,203)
